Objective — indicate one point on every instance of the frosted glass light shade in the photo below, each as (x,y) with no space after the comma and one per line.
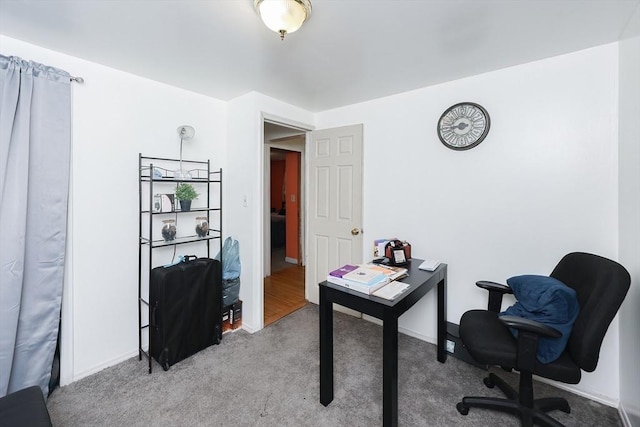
(186,132)
(283,16)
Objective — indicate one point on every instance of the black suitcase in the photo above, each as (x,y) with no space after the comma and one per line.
(186,309)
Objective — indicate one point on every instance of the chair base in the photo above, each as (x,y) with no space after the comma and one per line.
(528,413)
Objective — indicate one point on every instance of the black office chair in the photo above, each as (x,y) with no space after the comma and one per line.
(600,284)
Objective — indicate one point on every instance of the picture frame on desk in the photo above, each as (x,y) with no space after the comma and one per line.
(398,257)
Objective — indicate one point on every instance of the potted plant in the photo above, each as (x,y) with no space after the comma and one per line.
(185,193)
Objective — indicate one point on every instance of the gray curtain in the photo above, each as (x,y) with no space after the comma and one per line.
(35,140)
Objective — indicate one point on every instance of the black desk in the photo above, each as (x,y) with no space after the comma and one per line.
(388,311)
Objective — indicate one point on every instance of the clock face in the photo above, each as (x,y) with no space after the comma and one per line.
(463,126)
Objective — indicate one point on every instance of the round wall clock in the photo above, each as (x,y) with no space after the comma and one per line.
(463,126)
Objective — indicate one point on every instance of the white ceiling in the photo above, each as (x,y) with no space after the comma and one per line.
(349,51)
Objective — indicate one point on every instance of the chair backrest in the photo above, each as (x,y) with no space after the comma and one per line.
(601,285)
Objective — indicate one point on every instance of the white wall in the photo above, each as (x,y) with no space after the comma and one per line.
(245,169)
(630,217)
(116,115)
(543,183)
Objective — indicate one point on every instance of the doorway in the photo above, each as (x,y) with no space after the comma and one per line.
(284,286)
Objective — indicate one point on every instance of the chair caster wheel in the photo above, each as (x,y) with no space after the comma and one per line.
(464,410)
(487,381)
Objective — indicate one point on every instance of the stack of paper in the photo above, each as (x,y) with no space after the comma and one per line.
(364,275)
(393,273)
(392,290)
(361,279)
(342,270)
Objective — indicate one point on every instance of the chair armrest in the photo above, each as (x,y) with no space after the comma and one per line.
(529,331)
(493,286)
(522,324)
(496,291)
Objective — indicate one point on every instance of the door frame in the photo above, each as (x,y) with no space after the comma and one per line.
(265,202)
(281,143)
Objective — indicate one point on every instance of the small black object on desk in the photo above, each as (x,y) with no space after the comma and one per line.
(388,311)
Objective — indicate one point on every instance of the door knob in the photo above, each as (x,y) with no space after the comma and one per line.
(355,231)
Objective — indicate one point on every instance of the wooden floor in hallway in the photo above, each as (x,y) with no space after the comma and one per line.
(283,293)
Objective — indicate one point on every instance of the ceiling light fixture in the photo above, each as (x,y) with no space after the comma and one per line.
(283,16)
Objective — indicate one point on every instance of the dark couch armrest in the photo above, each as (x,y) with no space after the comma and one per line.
(496,291)
(25,407)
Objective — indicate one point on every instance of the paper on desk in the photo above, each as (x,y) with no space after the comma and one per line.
(392,290)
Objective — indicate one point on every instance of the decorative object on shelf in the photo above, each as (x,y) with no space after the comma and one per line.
(163,203)
(202,226)
(157,203)
(185,193)
(186,133)
(463,126)
(169,230)
(283,16)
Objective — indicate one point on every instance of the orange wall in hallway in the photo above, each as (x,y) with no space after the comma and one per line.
(292,185)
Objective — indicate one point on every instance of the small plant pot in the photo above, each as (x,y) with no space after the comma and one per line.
(185,205)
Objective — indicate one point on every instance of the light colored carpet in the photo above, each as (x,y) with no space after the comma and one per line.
(271,378)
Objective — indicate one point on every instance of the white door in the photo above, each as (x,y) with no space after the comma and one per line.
(334,215)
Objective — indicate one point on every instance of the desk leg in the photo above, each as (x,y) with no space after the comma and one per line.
(326,349)
(442,320)
(390,370)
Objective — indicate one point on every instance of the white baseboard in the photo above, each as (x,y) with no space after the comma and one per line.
(626,422)
(291,260)
(402,330)
(372,319)
(248,328)
(97,368)
(418,335)
(628,418)
(614,403)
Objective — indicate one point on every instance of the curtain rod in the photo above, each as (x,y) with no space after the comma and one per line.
(76,79)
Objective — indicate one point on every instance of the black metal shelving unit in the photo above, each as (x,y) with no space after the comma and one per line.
(157,174)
